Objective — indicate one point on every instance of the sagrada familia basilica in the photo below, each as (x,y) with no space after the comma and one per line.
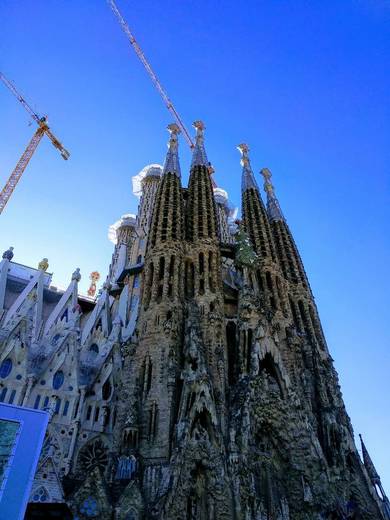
(198,384)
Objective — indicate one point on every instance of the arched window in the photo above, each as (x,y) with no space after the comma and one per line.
(5,368)
(58,379)
(94,350)
(36,403)
(106,390)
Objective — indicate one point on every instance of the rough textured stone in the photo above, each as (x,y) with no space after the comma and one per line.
(199,384)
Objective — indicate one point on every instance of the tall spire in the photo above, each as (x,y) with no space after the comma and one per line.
(172,164)
(375,479)
(199,157)
(248,179)
(274,211)
(369,465)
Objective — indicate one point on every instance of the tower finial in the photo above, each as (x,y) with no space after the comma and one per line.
(248,179)
(274,211)
(171,164)
(199,157)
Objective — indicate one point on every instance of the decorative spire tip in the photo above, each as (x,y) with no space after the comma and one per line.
(199,156)
(248,179)
(171,164)
(173,129)
(274,210)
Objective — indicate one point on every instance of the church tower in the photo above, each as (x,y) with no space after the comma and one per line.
(203,277)
(198,385)
(159,326)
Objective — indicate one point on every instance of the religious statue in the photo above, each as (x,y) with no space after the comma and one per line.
(43,264)
(8,255)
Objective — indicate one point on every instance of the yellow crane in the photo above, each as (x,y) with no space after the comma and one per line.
(42,129)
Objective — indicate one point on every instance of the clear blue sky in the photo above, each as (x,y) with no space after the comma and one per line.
(305,84)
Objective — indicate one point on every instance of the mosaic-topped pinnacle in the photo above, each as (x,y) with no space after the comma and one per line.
(248,179)
(199,156)
(173,129)
(244,149)
(171,164)
(274,211)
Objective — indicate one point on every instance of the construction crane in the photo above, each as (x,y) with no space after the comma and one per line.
(152,75)
(42,129)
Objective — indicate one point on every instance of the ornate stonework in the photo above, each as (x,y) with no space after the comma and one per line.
(198,385)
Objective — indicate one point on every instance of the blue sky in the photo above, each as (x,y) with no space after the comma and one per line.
(305,84)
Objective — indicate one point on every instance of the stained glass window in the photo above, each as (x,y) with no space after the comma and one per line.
(5,368)
(58,379)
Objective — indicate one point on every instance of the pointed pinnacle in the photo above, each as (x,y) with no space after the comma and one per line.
(171,164)
(274,210)
(248,179)
(199,156)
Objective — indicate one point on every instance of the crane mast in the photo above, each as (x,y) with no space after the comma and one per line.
(151,73)
(42,129)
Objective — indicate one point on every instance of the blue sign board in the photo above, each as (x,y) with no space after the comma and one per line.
(22,431)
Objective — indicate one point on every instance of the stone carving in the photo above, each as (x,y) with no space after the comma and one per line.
(197,385)
(43,264)
(8,255)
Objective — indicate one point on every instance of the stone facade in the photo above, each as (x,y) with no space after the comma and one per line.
(198,384)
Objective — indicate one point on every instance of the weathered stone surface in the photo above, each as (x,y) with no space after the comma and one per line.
(199,384)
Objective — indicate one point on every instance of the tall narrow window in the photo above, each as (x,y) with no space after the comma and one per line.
(89,412)
(249,350)
(149,378)
(12,397)
(106,390)
(3,395)
(302,312)
(153,418)
(149,285)
(201,263)
(58,406)
(297,322)
(45,403)
(231,343)
(66,408)
(211,272)
(36,402)
(161,268)
(76,410)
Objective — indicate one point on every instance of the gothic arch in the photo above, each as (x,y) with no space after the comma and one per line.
(268,347)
